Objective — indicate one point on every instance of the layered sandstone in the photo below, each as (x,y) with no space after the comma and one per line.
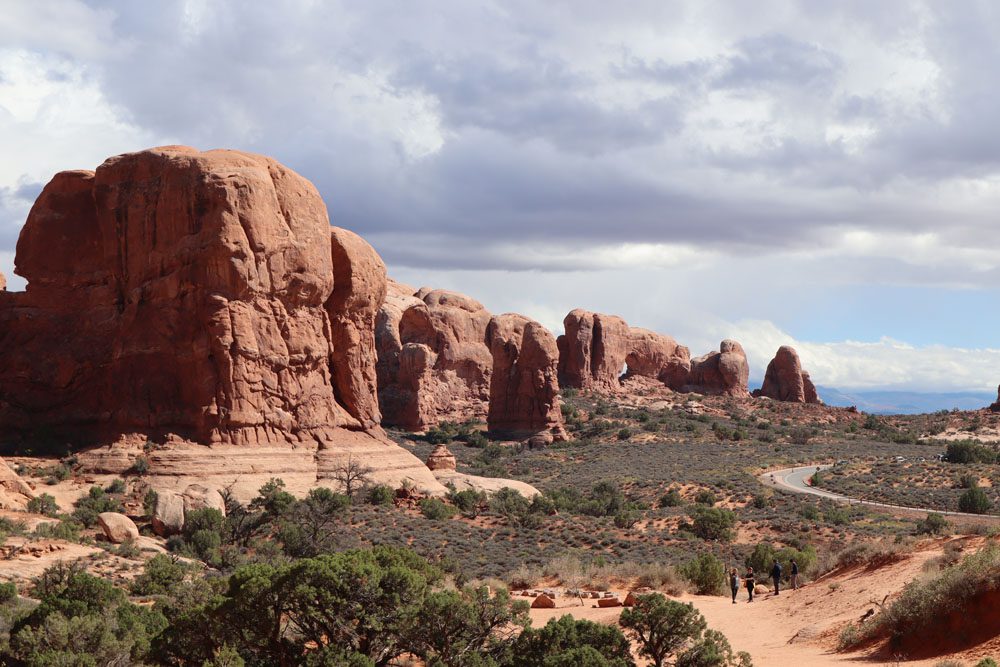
(785,380)
(441,459)
(198,300)
(14,491)
(725,372)
(524,385)
(596,349)
(434,361)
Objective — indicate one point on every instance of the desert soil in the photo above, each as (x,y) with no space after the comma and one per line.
(799,627)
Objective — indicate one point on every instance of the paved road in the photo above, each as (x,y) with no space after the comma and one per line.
(796,481)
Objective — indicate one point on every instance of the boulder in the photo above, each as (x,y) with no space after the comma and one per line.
(524,386)
(211,304)
(168,515)
(441,459)
(14,491)
(609,602)
(786,381)
(198,497)
(543,602)
(630,600)
(117,527)
(725,372)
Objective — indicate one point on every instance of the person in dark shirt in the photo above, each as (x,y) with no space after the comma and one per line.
(750,584)
(795,575)
(734,583)
(776,576)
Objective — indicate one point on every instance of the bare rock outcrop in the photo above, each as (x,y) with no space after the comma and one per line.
(524,386)
(441,458)
(434,360)
(995,407)
(14,491)
(211,306)
(785,380)
(725,372)
(168,513)
(597,348)
(3,282)
(117,527)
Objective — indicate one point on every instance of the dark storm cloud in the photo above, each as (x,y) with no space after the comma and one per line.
(559,121)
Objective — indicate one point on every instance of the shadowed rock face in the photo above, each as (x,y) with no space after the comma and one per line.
(524,388)
(200,297)
(786,381)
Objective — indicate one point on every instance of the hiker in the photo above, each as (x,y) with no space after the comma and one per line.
(776,576)
(795,575)
(750,583)
(734,583)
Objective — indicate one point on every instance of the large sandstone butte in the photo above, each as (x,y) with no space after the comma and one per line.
(786,381)
(443,357)
(198,306)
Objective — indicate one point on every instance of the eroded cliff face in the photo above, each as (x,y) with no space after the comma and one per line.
(444,357)
(200,298)
(524,387)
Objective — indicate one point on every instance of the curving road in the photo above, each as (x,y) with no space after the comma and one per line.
(796,479)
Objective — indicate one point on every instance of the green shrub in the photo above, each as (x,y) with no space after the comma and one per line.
(117,486)
(705,497)
(64,529)
(380,494)
(706,573)
(43,504)
(932,524)
(987,662)
(435,509)
(8,591)
(713,523)
(671,498)
(624,434)
(970,451)
(95,502)
(974,501)
(570,642)
(140,467)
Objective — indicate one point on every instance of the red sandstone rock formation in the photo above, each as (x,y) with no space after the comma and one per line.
(596,348)
(524,388)
(786,381)
(725,372)
(196,297)
(441,459)
(3,282)
(995,407)
(434,361)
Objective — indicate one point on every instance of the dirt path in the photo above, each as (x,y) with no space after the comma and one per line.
(796,628)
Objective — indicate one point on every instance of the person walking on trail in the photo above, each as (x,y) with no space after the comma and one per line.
(795,575)
(776,576)
(734,583)
(750,584)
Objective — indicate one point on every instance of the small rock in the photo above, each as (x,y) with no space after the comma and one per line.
(543,602)
(609,602)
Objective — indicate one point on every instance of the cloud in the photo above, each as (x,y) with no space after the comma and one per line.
(761,160)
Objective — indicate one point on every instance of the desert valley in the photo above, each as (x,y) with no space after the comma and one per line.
(471,333)
(229,437)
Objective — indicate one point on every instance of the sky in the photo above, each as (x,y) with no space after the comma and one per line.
(821,174)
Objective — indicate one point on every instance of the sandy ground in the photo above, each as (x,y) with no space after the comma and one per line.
(800,627)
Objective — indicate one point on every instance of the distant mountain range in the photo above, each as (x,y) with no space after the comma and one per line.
(905,402)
